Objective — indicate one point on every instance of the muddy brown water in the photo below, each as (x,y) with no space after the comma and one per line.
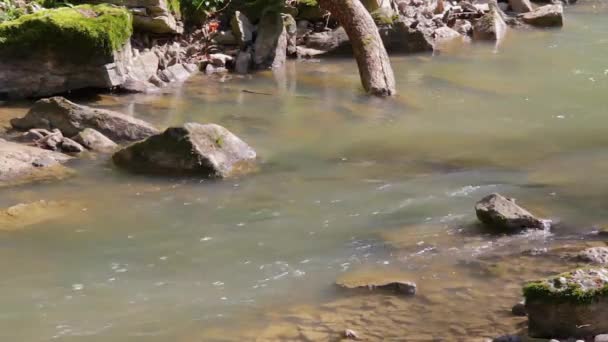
(347,184)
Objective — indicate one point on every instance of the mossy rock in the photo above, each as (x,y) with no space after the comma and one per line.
(75,34)
(572,304)
(581,286)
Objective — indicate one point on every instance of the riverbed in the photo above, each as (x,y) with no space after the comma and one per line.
(348,186)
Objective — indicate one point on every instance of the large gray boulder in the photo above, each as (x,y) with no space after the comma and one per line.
(22,164)
(205,150)
(270,47)
(573,304)
(71,119)
(499,212)
(545,16)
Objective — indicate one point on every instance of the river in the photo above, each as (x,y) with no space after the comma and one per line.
(348,186)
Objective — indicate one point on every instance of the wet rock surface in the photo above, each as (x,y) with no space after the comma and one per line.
(205,150)
(95,141)
(23,164)
(545,16)
(381,284)
(499,212)
(71,119)
(594,255)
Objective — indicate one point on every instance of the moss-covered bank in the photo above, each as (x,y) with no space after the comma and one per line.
(74,34)
(582,286)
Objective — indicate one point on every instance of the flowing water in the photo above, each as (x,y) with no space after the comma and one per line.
(346,184)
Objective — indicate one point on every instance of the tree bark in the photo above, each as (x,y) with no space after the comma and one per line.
(372,59)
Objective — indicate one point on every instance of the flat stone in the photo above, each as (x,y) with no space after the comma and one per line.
(376,281)
(23,164)
(70,118)
(545,16)
(95,141)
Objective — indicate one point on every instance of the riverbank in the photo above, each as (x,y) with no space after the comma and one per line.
(144,47)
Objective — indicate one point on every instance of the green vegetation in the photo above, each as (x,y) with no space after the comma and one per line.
(381,17)
(9,11)
(553,290)
(76,34)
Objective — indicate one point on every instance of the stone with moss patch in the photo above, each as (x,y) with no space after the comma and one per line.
(79,33)
(59,50)
(569,304)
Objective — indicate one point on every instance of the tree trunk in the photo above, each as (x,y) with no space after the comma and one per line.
(374,66)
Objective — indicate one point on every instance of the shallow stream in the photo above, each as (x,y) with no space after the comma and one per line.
(346,183)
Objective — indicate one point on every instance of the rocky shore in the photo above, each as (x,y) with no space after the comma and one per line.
(143,46)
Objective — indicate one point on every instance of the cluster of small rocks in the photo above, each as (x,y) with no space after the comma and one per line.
(56,125)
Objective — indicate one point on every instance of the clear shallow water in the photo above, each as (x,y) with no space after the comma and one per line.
(346,183)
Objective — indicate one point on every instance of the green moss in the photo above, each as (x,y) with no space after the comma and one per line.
(384,17)
(551,290)
(310,3)
(175,8)
(75,34)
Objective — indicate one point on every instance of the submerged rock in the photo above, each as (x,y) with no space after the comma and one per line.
(27,214)
(545,16)
(23,164)
(396,286)
(71,119)
(376,281)
(572,304)
(502,213)
(205,150)
(95,141)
